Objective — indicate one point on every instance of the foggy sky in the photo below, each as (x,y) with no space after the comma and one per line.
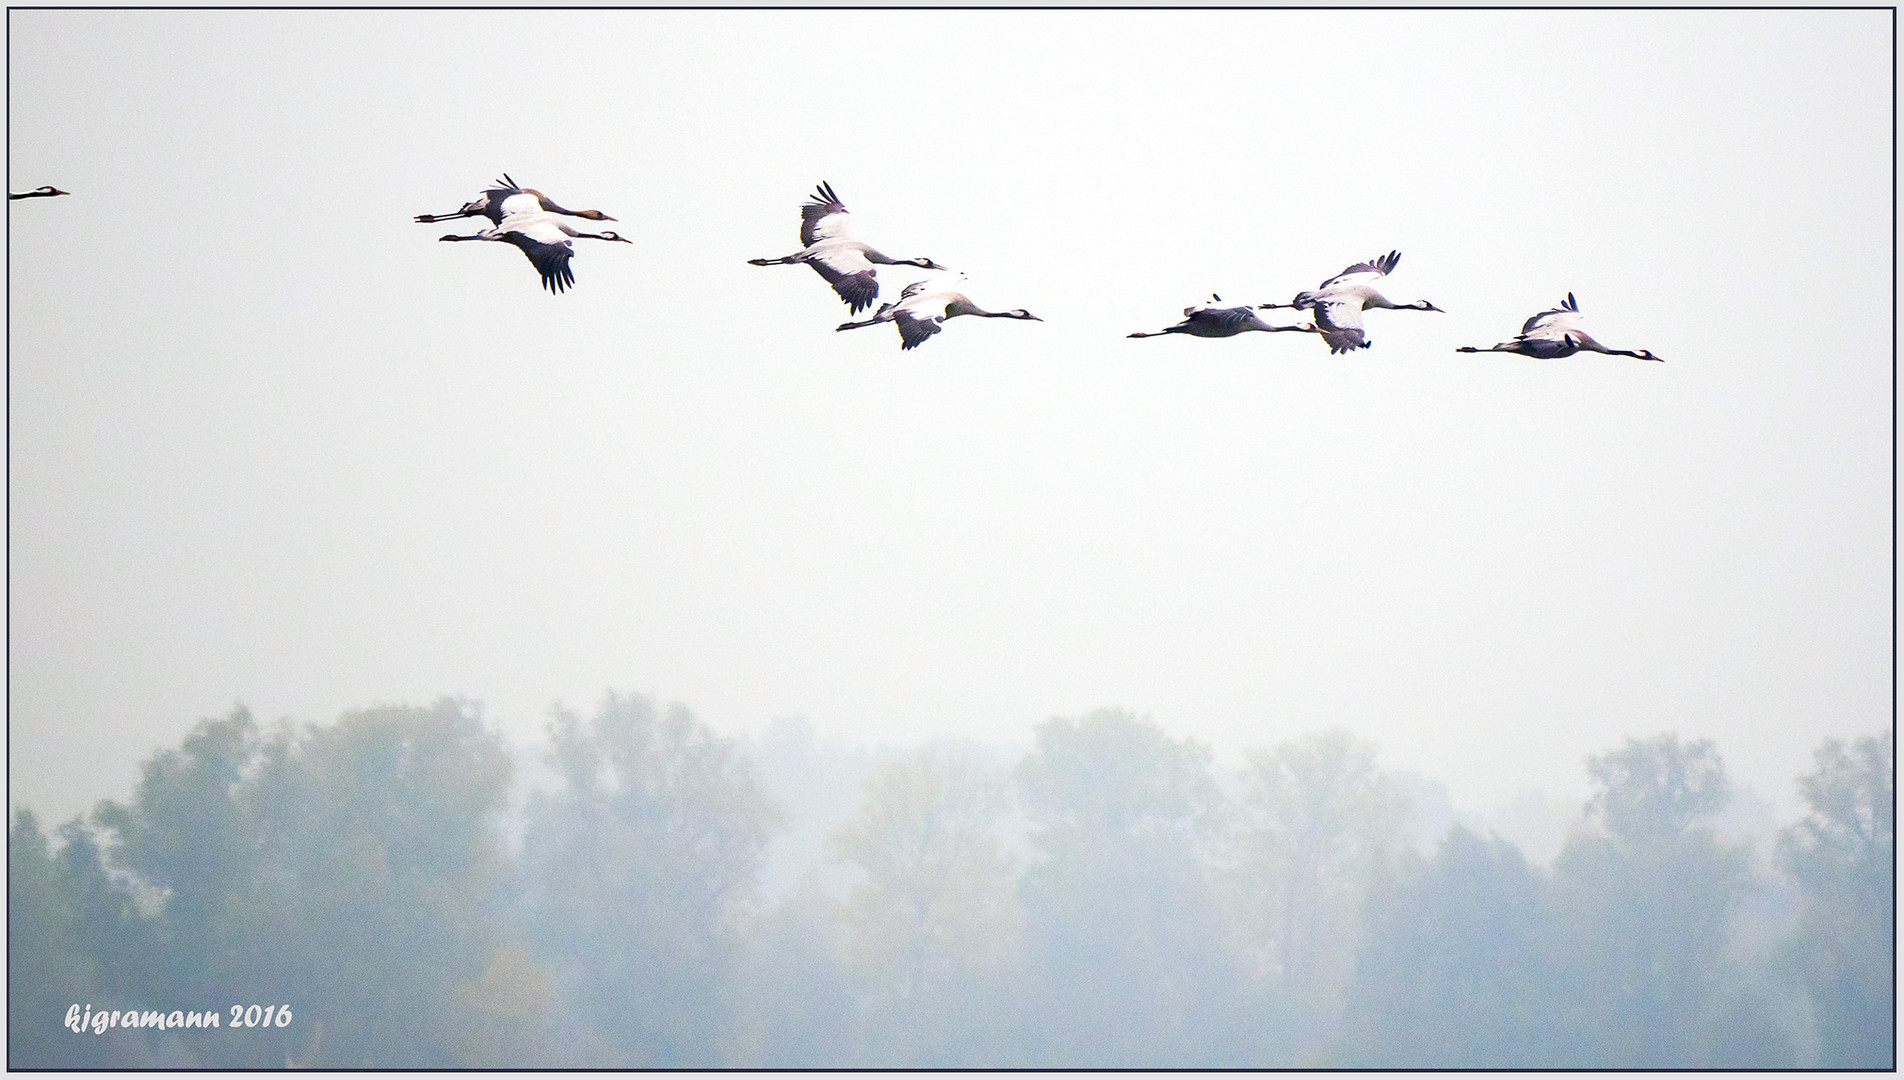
(270,442)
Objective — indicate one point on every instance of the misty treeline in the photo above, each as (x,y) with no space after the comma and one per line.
(1111,899)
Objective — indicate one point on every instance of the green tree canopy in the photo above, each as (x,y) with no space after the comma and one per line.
(636,871)
(1454,970)
(1645,909)
(934,920)
(1125,939)
(1843,855)
(339,870)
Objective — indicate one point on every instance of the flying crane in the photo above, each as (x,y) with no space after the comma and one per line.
(546,239)
(919,313)
(1338,303)
(1210,320)
(837,254)
(1556,333)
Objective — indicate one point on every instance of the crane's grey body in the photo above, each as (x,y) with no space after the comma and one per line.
(1210,321)
(836,254)
(1337,304)
(1555,334)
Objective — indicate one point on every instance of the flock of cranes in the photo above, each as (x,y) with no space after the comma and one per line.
(847,263)
(546,231)
(534,223)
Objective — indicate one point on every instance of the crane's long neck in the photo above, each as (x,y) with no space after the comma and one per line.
(875,256)
(959,305)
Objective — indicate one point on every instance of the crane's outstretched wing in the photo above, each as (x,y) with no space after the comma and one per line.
(849,273)
(823,217)
(915,327)
(1365,272)
(1554,322)
(551,260)
(1340,321)
(494,198)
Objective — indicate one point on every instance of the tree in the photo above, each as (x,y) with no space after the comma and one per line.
(933,921)
(346,871)
(1843,856)
(1645,911)
(188,835)
(636,871)
(1454,970)
(1125,943)
(1655,790)
(50,965)
(387,868)
(1317,818)
(798,998)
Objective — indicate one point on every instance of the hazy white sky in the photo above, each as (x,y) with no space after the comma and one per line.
(270,442)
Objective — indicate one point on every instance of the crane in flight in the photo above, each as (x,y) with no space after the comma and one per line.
(1553,334)
(1210,320)
(921,311)
(831,247)
(507,198)
(547,239)
(1338,303)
